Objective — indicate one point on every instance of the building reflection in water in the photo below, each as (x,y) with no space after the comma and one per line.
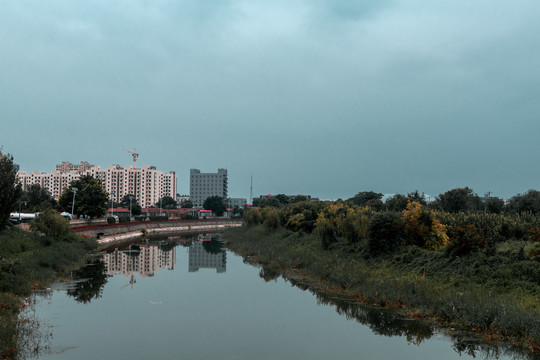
(144,259)
(207,252)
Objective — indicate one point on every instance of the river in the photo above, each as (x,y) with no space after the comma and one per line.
(190,298)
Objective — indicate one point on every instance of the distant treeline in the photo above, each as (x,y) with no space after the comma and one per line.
(455,200)
(458,220)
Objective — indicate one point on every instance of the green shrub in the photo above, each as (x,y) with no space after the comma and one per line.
(157,217)
(252,217)
(51,224)
(301,216)
(353,225)
(532,251)
(111,220)
(324,230)
(464,239)
(270,218)
(384,233)
(124,219)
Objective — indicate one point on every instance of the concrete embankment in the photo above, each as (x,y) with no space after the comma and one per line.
(111,234)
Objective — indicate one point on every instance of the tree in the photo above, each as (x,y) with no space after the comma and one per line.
(494,205)
(238,211)
(298,198)
(186,204)
(36,199)
(362,198)
(397,203)
(91,199)
(216,204)
(416,196)
(528,202)
(384,233)
(282,198)
(167,202)
(375,204)
(269,202)
(459,199)
(128,199)
(10,190)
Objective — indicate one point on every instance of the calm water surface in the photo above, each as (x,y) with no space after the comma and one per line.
(191,299)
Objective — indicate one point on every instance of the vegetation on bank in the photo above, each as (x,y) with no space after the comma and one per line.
(28,261)
(476,270)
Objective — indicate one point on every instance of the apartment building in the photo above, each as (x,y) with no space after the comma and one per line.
(147,183)
(145,261)
(204,185)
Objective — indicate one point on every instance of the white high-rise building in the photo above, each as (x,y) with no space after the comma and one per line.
(148,260)
(204,185)
(147,183)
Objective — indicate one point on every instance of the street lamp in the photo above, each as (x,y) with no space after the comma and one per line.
(130,199)
(73,205)
(160,205)
(112,206)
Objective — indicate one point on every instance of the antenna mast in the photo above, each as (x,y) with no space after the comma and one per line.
(135,156)
(251,191)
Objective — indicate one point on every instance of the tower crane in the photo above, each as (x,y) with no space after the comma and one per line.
(135,156)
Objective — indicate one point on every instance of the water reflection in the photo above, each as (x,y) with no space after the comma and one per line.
(388,323)
(207,252)
(143,259)
(91,280)
(147,257)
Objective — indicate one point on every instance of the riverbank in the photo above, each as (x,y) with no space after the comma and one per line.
(486,294)
(29,261)
(120,233)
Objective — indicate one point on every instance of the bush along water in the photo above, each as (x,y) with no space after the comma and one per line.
(477,270)
(28,261)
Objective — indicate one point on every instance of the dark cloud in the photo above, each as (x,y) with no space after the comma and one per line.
(328,98)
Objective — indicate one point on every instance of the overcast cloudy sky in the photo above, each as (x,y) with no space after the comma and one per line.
(318,97)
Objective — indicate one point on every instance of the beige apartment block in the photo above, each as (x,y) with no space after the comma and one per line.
(145,261)
(147,183)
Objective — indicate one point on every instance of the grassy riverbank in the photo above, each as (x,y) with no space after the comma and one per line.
(496,293)
(29,261)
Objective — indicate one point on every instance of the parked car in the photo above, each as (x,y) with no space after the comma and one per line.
(66,215)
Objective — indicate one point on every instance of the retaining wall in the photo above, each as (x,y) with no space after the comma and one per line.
(115,233)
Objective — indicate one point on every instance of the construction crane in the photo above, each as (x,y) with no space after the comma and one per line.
(135,156)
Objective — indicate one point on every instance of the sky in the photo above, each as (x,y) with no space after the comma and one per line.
(325,98)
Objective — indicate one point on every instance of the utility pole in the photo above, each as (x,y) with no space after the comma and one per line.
(112,204)
(130,200)
(73,205)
